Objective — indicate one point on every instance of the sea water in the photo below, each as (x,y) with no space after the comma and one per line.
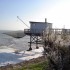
(9,44)
(7,41)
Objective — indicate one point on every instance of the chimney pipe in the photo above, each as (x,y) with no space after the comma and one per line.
(45,20)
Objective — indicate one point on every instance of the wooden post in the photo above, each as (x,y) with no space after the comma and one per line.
(37,43)
(30,48)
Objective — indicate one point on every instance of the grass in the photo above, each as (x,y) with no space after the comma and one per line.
(35,66)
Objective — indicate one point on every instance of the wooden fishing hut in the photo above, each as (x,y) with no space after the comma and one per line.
(36,32)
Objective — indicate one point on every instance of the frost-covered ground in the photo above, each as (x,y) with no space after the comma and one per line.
(7,55)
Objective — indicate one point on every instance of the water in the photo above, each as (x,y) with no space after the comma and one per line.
(10,42)
(8,45)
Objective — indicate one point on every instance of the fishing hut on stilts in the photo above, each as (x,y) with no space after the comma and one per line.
(36,32)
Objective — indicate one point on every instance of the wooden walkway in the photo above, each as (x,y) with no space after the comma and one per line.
(58,31)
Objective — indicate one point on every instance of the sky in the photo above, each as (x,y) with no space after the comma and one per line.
(57,12)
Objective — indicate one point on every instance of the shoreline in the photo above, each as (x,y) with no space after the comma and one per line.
(9,57)
(24,63)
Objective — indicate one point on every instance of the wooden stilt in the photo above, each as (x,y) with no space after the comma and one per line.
(30,48)
(37,43)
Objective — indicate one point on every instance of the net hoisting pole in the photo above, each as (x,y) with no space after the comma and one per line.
(22,21)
